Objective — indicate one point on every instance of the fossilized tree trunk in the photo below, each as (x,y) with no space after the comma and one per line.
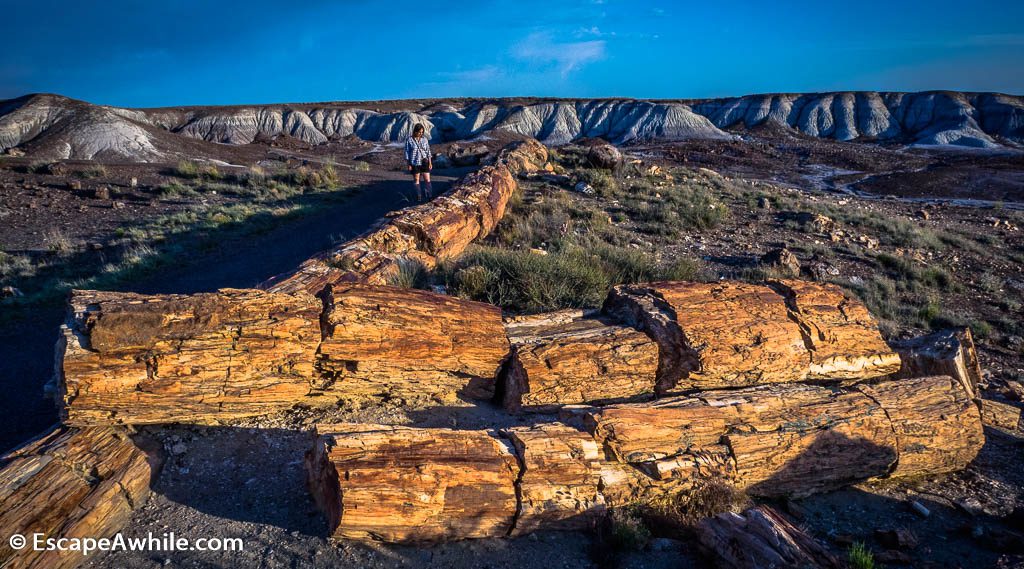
(72,483)
(401,484)
(778,440)
(412,344)
(733,334)
(760,537)
(946,352)
(567,357)
(131,358)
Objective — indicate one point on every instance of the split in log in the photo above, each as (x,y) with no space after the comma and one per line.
(761,537)
(133,359)
(946,352)
(406,485)
(999,414)
(797,439)
(841,335)
(411,344)
(558,487)
(569,357)
(71,483)
(732,334)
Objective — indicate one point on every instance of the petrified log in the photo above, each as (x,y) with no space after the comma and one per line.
(401,484)
(524,156)
(796,439)
(841,335)
(733,334)
(71,483)
(716,334)
(760,537)
(946,352)
(412,344)
(131,358)
(569,357)
(561,470)
(999,414)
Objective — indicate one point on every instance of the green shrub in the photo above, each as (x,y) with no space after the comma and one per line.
(707,498)
(361,166)
(860,557)
(684,269)
(411,274)
(94,171)
(187,169)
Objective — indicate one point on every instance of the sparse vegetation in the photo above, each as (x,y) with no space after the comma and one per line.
(706,499)
(93,171)
(626,530)
(361,166)
(411,274)
(860,557)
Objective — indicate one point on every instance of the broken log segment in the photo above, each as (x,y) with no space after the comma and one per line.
(734,334)
(999,414)
(72,483)
(570,357)
(797,439)
(408,485)
(946,352)
(126,358)
(761,537)
(561,473)
(841,335)
(411,344)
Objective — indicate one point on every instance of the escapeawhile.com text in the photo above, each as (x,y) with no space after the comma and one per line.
(88,545)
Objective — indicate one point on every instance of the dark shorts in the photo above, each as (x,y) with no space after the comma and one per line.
(423,168)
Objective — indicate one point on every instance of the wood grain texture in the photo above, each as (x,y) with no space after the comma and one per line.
(408,485)
(410,344)
(760,537)
(72,483)
(133,359)
(570,357)
(946,352)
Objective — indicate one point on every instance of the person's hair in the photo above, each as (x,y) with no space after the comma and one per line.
(417,129)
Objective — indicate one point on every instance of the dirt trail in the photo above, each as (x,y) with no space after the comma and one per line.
(26,345)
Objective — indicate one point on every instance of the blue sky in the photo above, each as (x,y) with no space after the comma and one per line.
(189,52)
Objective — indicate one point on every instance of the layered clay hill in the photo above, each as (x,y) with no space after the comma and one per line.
(56,127)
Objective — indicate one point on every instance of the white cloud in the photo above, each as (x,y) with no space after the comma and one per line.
(541,48)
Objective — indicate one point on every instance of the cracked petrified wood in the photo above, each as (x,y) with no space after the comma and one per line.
(569,357)
(409,344)
(734,334)
(946,352)
(841,335)
(760,537)
(401,484)
(72,483)
(796,439)
(558,487)
(131,358)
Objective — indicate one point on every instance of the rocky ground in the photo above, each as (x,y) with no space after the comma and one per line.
(773,205)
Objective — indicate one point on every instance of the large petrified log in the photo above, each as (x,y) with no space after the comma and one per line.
(760,537)
(70,483)
(777,440)
(131,358)
(401,484)
(946,352)
(412,344)
(570,357)
(733,334)
(797,439)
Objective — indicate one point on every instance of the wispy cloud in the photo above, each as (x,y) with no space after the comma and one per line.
(478,75)
(541,48)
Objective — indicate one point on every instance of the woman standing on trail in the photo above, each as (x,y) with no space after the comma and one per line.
(417,155)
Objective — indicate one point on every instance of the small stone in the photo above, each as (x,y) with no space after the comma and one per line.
(134,182)
(782,260)
(584,188)
(101,193)
(117,205)
(179,448)
(919,509)
(923,214)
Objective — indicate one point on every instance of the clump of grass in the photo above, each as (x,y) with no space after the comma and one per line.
(685,269)
(15,265)
(625,529)
(94,171)
(706,499)
(175,189)
(411,274)
(361,166)
(57,242)
(860,557)
(187,169)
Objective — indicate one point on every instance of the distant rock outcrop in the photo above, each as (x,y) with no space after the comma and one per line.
(51,126)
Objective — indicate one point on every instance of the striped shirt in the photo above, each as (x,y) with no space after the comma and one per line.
(417,150)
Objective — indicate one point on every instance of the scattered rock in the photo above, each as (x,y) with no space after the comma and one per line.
(919,509)
(664,544)
(782,260)
(179,448)
(900,538)
(584,188)
(117,205)
(604,155)
(537,251)
(134,182)
(101,193)
(998,414)
(74,185)
(10,292)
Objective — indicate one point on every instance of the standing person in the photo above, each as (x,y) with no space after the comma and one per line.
(417,155)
